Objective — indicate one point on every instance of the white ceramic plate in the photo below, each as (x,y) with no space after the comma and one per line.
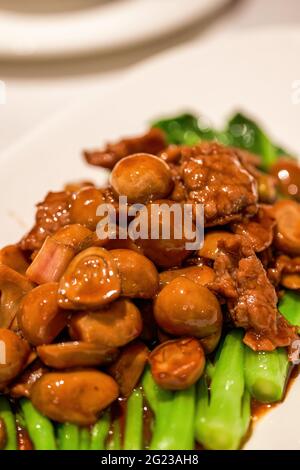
(76,27)
(255,72)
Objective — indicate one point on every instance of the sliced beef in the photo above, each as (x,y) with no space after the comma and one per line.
(214,177)
(251,298)
(51,215)
(152,142)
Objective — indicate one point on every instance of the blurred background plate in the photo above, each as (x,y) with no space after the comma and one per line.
(60,28)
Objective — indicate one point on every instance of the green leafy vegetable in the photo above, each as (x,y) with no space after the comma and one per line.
(289,307)
(240,131)
(185,129)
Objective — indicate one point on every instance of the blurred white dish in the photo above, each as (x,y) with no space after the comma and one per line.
(239,71)
(97,26)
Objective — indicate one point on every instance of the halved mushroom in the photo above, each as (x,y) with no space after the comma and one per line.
(84,205)
(13,355)
(75,354)
(74,396)
(13,286)
(139,276)
(90,281)
(56,253)
(177,364)
(129,366)
(142,178)
(39,316)
(287,236)
(112,327)
(184,308)
(210,248)
(14,257)
(201,275)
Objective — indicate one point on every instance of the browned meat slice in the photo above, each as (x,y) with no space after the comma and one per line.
(251,298)
(259,230)
(214,176)
(52,214)
(249,160)
(153,142)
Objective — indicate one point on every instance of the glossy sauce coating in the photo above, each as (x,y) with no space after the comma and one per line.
(39,317)
(13,286)
(113,327)
(23,384)
(287,174)
(166,250)
(184,308)
(14,257)
(210,247)
(129,366)
(77,397)
(91,280)
(201,275)
(177,364)
(142,178)
(287,216)
(14,354)
(75,354)
(139,276)
(83,206)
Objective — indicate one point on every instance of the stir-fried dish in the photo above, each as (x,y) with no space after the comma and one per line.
(141,343)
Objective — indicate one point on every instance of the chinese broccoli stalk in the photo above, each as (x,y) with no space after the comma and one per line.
(266,374)
(289,307)
(174,413)
(100,432)
(133,436)
(40,428)
(223,411)
(6,414)
(68,436)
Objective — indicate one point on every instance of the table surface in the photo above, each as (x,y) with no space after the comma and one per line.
(35,91)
